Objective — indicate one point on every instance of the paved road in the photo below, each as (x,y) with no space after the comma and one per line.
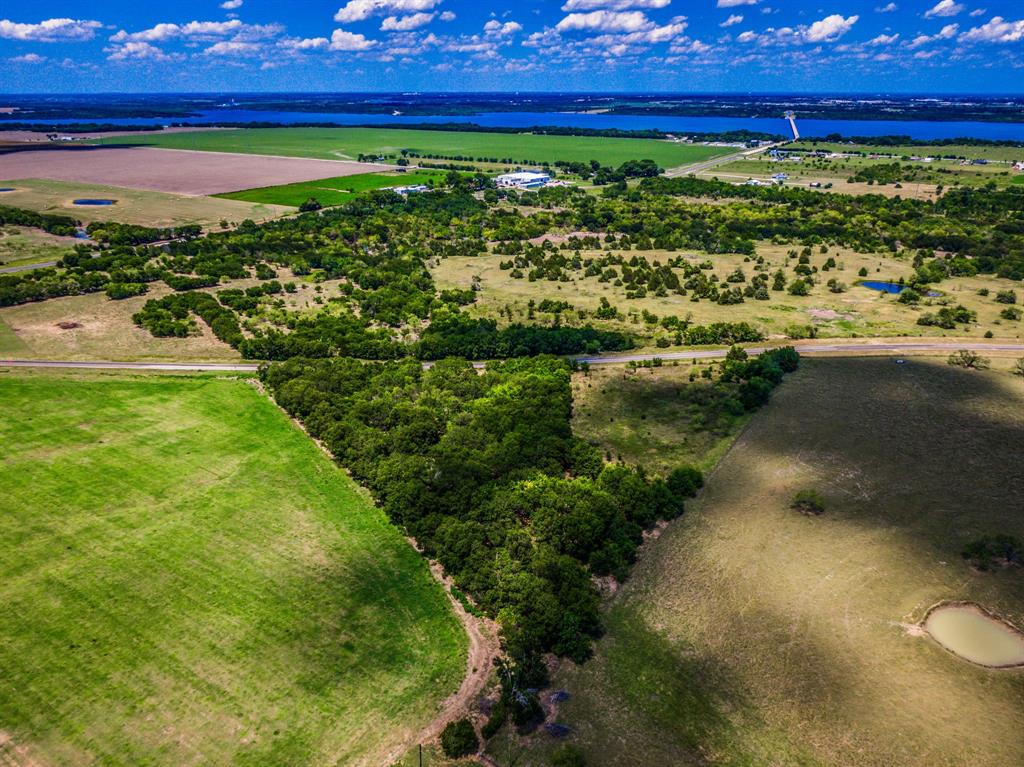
(103,365)
(27,267)
(825,349)
(698,167)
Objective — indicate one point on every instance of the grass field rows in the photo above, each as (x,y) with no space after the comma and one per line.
(197,584)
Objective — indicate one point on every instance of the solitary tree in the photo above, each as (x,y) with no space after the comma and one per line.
(969,360)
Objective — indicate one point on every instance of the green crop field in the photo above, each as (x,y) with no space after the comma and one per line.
(188,580)
(331,191)
(349,143)
(751,634)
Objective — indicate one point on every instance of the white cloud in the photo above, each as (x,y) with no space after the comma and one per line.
(613,5)
(448,16)
(890,8)
(884,39)
(349,41)
(977,12)
(306,44)
(495,28)
(944,8)
(732,20)
(735,3)
(140,51)
(201,31)
(50,31)
(997,30)
(359,10)
(28,58)
(230,5)
(948,32)
(233,48)
(605,21)
(406,23)
(829,28)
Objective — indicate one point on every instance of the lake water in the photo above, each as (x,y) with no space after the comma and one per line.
(968,632)
(7,189)
(913,128)
(88,201)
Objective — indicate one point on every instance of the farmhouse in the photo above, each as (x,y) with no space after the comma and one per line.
(523,179)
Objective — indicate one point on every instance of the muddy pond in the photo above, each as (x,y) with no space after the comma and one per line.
(969,632)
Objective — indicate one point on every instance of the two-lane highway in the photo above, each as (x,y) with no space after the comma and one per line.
(837,348)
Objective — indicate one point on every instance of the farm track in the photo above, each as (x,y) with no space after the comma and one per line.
(862,349)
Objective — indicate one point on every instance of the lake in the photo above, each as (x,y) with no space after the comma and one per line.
(90,201)
(917,129)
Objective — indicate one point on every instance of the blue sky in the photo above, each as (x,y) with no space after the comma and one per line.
(960,46)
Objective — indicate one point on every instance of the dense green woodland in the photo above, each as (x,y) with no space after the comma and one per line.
(379,247)
(484,471)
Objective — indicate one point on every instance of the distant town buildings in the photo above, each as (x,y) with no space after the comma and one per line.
(524,179)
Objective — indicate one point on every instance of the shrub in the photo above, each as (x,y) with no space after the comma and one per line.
(798,288)
(1011,313)
(310,205)
(1006,297)
(685,481)
(993,551)
(120,290)
(967,359)
(1018,367)
(459,739)
(808,502)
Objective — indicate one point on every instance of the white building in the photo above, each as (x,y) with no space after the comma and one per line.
(523,179)
(415,189)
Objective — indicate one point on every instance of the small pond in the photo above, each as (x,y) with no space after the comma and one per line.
(7,189)
(889,287)
(90,201)
(974,635)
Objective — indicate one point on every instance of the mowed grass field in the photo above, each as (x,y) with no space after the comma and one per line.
(750,634)
(133,206)
(332,191)
(188,580)
(349,143)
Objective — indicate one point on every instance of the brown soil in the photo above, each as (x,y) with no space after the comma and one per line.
(173,170)
(69,325)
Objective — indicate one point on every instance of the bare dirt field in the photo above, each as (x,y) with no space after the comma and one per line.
(172,170)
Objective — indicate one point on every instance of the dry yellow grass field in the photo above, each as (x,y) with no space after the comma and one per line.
(857,312)
(751,634)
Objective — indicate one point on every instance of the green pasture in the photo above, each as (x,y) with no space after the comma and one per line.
(188,580)
(349,143)
(331,191)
